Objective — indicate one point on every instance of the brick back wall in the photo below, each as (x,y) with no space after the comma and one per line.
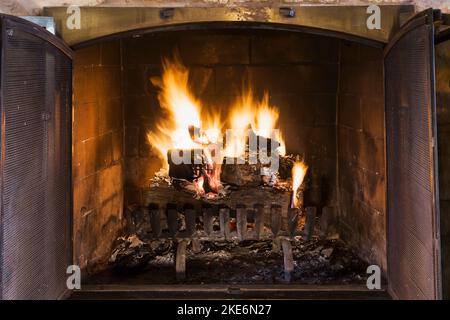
(361,152)
(443,113)
(299,72)
(98,165)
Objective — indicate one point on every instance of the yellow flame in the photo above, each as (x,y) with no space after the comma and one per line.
(298,174)
(182,109)
(266,121)
(240,121)
(183,112)
(247,112)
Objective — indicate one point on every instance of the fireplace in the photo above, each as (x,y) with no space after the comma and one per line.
(162,195)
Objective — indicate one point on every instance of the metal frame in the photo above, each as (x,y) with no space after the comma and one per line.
(343,21)
(2,147)
(229,25)
(38,31)
(224,291)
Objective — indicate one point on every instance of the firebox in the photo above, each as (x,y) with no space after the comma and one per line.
(231,150)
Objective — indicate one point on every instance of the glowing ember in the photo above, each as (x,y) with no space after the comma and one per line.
(298,174)
(199,186)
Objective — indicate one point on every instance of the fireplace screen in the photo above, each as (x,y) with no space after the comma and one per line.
(35,246)
(412,158)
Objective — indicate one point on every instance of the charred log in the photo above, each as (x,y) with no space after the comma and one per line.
(186,166)
(241,174)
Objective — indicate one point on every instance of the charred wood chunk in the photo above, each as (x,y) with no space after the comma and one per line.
(293,216)
(259,217)
(241,222)
(285,167)
(155,220)
(196,245)
(130,254)
(275,218)
(184,164)
(276,244)
(141,221)
(224,216)
(240,174)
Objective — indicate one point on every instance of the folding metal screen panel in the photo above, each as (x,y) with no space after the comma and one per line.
(413,244)
(35,239)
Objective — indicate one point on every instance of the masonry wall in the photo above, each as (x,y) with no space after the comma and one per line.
(98,157)
(361,152)
(443,115)
(299,71)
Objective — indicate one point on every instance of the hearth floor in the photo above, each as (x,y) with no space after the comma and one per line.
(316,262)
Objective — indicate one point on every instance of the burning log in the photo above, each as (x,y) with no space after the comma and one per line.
(298,174)
(241,174)
(186,165)
(285,167)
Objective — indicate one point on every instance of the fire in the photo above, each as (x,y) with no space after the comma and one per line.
(298,174)
(183,109)
(186,124)
(248,112)
(266,121)
(183,112)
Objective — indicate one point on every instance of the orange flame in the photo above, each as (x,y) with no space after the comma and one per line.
(298,174)
(247,112)
(184,112)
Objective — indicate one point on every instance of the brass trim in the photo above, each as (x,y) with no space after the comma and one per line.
(98,22)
